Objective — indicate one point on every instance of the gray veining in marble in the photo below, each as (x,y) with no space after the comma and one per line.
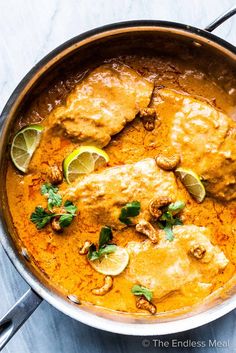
(28,30)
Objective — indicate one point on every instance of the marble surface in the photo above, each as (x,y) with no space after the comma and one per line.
(28,30)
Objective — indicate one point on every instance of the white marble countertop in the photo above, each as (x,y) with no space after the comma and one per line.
(29,29)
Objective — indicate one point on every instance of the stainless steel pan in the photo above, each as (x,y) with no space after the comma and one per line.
(100,43)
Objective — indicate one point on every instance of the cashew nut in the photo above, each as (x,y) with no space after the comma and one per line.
(108,282)
(198,251)
(148,117)
(55,174)
(147,229)
(85,248)
(56,225)
(168,160)
(143,303)
(156,204)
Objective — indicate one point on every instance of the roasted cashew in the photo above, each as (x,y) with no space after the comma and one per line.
(108,282)
(167,160)
(55,174)
(148,117)
(198,251)
(147,229)
(143,303)
(156,204)
(85,248)
(56,225)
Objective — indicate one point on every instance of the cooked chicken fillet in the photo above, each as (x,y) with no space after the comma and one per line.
(102,195)
(102,104)
(206,139)
(169,266)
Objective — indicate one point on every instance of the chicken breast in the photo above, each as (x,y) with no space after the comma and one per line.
(102,195)
(206,140)
(102,104)
(170,266)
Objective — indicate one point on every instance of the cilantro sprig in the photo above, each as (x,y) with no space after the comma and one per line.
(169,218)
(104,248)
(51,192)
(66,219)
(131,209)
(140,290)
(40,217)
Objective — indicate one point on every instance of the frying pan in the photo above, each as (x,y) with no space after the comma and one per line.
(157,37)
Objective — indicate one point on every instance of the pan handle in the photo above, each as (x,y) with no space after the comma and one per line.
(225,16)
(17,315)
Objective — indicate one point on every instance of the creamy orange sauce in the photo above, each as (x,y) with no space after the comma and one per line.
(57,255)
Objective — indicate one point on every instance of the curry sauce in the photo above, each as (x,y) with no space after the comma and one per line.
(175,91)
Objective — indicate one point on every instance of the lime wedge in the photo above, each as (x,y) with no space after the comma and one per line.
(24,144)
(192,183)
(83,160)
(112,264)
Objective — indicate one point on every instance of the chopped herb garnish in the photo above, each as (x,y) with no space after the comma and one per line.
(54,200)
(92,252)
(66,219)
(169,218)
(40,217)
(105,236)
(48,186)
(95,255)
(176,207)
(103,247)
(139,290)
(169,232)
(51,192)
(131,209)
(70,207)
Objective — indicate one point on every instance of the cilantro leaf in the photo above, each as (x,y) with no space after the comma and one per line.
(108,249)
(169,233)
(95,255)
(103,248)
(169,218)
(50,191)
(40,217)
(105,236)
(178,222)
(131,209)
(92,253)
(70,207)
(65,220)
(140,290)
(160,225)
(48,186)
(53,199)
(176,207)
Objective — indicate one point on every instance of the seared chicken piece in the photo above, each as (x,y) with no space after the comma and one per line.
(102,195)
(102,104)
(169,266)
(206,140)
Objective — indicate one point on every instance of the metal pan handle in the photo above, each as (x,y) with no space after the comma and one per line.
(219,20)
(17,315)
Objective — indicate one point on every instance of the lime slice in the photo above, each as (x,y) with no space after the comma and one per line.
(192,183)
(24,144)
(112,264)
(83,160)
